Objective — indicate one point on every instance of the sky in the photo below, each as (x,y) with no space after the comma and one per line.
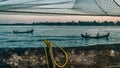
(29,18)
(34,18)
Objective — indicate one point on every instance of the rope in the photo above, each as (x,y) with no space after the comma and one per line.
(49,44)
(66,56)
(101,8)
(46,57)
(116,3)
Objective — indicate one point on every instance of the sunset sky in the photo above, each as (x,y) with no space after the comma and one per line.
(38,18)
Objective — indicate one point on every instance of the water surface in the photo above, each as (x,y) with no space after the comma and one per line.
(66,36)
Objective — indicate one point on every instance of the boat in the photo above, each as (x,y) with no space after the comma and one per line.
(28,31)
(97,36)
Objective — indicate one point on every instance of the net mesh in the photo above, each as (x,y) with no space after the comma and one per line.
(69,7)
(98,7)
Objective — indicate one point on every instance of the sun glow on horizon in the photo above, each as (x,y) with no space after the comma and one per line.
(34,18)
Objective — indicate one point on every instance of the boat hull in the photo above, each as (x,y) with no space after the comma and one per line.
(96,37)
(18,32)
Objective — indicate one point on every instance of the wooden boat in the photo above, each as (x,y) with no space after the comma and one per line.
(28,31)
(102,36)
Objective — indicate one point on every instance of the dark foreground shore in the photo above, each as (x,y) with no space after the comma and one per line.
(96,56)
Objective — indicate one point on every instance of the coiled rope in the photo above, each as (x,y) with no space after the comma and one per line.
(49,44)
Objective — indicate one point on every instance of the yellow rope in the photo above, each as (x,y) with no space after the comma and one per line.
(49,44)
(66,56)
(46,42)
(46,57)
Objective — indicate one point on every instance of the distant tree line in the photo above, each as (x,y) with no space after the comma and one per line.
(80,23)
(72,23)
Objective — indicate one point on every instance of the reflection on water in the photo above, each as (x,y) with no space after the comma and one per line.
(62,35)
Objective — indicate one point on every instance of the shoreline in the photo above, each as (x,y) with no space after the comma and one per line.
(115,46)
(95,56)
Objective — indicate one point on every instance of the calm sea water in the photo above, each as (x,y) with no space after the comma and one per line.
(66,36)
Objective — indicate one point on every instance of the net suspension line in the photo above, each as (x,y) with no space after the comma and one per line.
(101,7)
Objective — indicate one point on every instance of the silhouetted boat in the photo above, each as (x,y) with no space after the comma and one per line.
(102,36)
(28,31)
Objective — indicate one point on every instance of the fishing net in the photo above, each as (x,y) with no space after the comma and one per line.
(98,7)
(62,7)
